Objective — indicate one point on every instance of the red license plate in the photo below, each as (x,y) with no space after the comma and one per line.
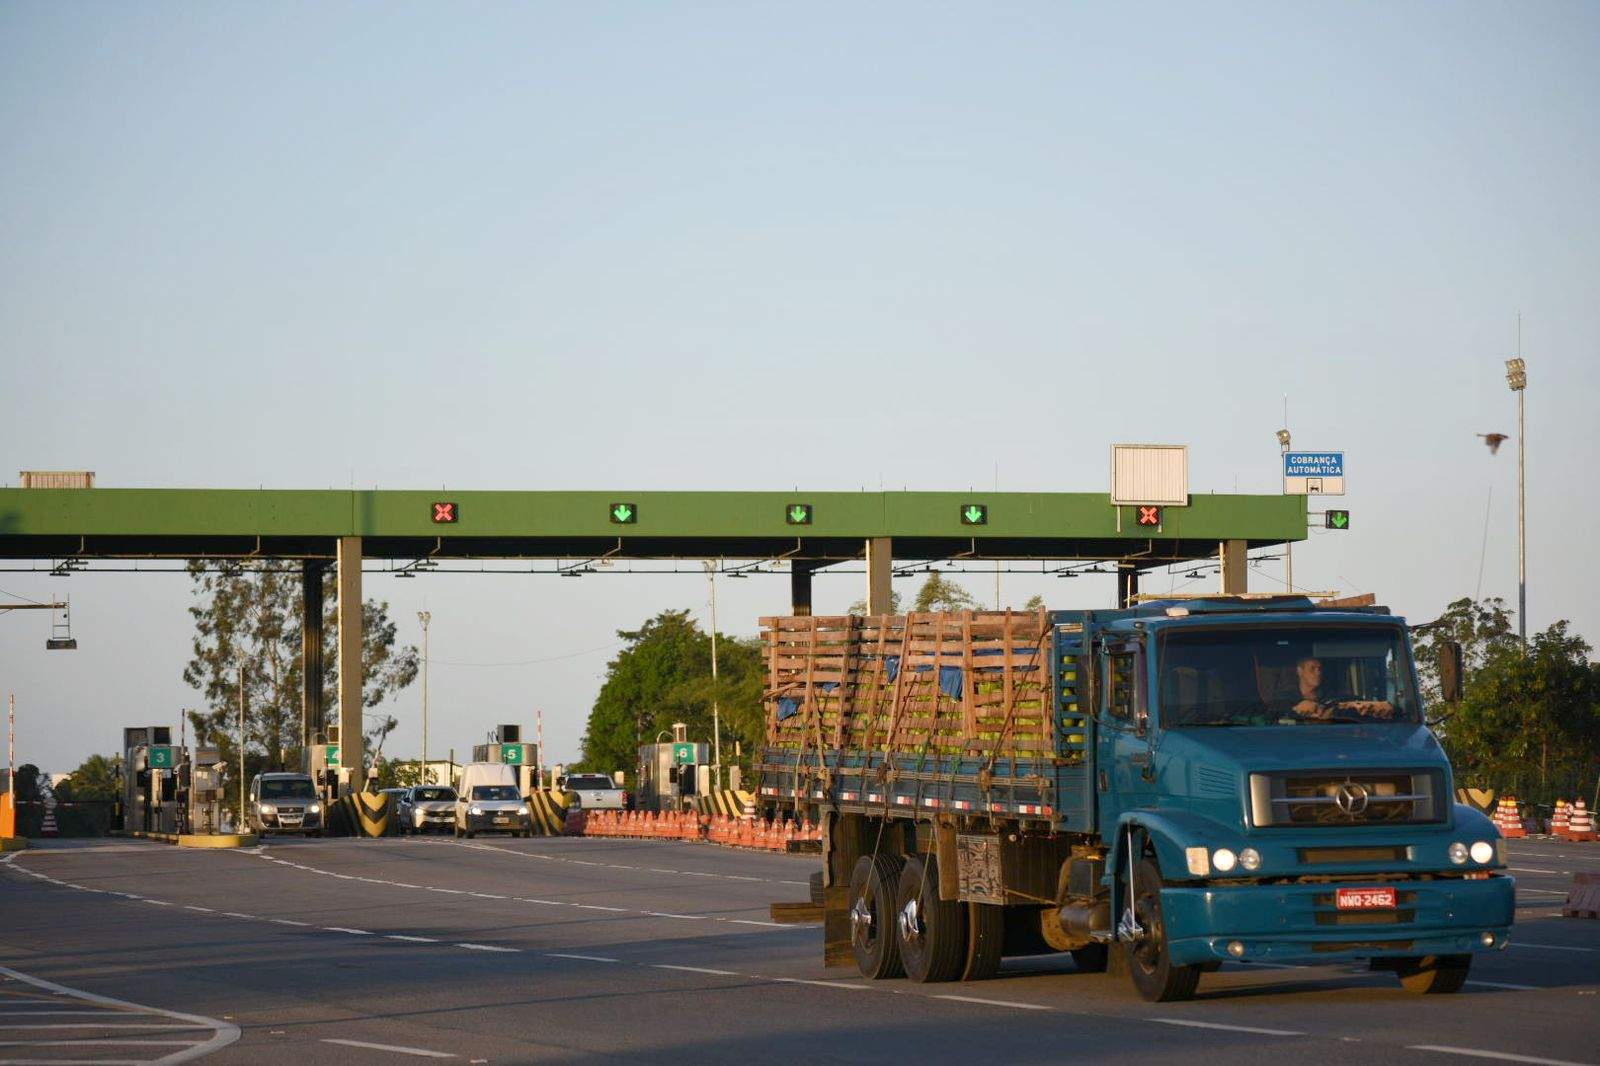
(1364,899)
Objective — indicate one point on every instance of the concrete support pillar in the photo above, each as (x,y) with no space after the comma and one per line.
(880,570)
(800,572)
(352,756)
(1127,585)
(1235,573)
(311,710)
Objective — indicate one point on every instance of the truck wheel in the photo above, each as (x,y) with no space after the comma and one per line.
(1092,959)
(872,894)
(986,935)
(1433,974)
(932,932)
(1154,974)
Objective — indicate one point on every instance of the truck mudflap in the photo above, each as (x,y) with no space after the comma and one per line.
(1301,921)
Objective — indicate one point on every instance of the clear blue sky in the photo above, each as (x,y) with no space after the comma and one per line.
(766,245)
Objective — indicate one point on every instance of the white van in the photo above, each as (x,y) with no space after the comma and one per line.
(490,803)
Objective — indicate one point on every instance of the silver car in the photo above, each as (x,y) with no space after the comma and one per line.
(596,792)
(427,808)
(284,803)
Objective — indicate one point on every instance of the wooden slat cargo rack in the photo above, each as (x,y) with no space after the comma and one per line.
(972,711)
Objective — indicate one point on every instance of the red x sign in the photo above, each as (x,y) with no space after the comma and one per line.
(1149,516)
(444,512)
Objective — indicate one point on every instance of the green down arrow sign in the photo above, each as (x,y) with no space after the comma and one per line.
(1338,519)
(624,514)
(798,514)
(975,514)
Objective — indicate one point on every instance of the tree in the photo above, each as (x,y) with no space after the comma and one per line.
(1035,603)
(860,606)
(663,675)
(1482,628)
(937,594)
(1529,719)
(249,614)
(99,777)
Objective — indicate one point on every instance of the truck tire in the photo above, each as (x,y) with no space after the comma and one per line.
(986,936)
(1154,974)
(873,883)
(932,933)
(1433,974)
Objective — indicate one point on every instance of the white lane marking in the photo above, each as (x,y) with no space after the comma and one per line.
(152,902)
(419,1052)
(819,984)
(111,1025)
(770,925)
(693,969)
(686,917)
(487,947)
(1502,984)
(290,921)
(1480,1053)
(1551,947)
(584,862)
(1538,891)
(1228,1028)
(342,929)
(585,958)
(596,907)
(1531,870)
(236,914)
(993,1002)
(486,895)
(411,939)
(202,910)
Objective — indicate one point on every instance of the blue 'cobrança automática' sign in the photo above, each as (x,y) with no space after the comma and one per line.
(1313,464)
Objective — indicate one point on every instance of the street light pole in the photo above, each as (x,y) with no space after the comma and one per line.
(1517,378)
(424,617)
(1288,546)
(716,711)
(241,828)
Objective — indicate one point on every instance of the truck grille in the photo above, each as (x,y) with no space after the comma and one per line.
(1335,798)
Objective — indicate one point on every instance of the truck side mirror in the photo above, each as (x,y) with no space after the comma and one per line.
(1450,681)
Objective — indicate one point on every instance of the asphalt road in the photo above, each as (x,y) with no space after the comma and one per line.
(588,951)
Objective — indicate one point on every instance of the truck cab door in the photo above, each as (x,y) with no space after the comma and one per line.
(1122,748)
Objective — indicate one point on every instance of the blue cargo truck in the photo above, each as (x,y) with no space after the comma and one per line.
(1157,790)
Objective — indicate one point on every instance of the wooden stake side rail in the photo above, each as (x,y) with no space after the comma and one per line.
(957,683)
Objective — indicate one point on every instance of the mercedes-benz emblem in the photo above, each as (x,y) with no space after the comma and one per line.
(1351,798)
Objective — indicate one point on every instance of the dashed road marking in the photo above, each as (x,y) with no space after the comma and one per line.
(342,929)
(1228,1028)
(488,947)
(585,958)
(1502,984)
(1551,947)
(693,969)
(1480,1053)
(394,1049)
(993,1002)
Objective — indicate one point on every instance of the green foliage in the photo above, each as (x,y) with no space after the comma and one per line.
(860,606)
(250,613)
(1035,603)
(1482,628)
(1529,721)
(98,778)
(663,675)
(937,594)
(398,773)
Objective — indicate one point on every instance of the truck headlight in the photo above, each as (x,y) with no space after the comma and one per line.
(313,808)
(1224,860)
(1458,853)
(1250,859)
(1483,852)
(267,808)
(474,811)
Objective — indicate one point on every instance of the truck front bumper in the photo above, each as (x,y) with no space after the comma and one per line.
(1299,920)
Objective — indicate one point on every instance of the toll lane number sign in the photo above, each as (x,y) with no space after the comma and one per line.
(683,754)
(511,753)
(160,758)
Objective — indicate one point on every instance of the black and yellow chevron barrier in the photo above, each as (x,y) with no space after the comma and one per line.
(549,811)
(728,802)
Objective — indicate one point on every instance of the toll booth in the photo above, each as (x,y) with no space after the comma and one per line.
(150,771)
(200,787)
(672,774)
(506,746)
(327,770)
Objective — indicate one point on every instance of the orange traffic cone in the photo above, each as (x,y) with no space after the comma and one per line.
(1559,820)
(1581,823)
(1507,818)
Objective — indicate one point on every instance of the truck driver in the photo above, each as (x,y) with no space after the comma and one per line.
(1312,704)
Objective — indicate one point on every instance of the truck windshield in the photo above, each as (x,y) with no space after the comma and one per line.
(1271,675)
(287,788)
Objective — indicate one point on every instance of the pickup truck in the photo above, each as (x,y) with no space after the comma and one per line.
(595,792)
(1156,789)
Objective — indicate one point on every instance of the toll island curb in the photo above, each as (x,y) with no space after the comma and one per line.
(1162,787)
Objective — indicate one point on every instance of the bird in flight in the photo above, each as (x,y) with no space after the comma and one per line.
(1494,440)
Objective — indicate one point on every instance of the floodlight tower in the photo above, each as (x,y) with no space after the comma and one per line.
(1517,378)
